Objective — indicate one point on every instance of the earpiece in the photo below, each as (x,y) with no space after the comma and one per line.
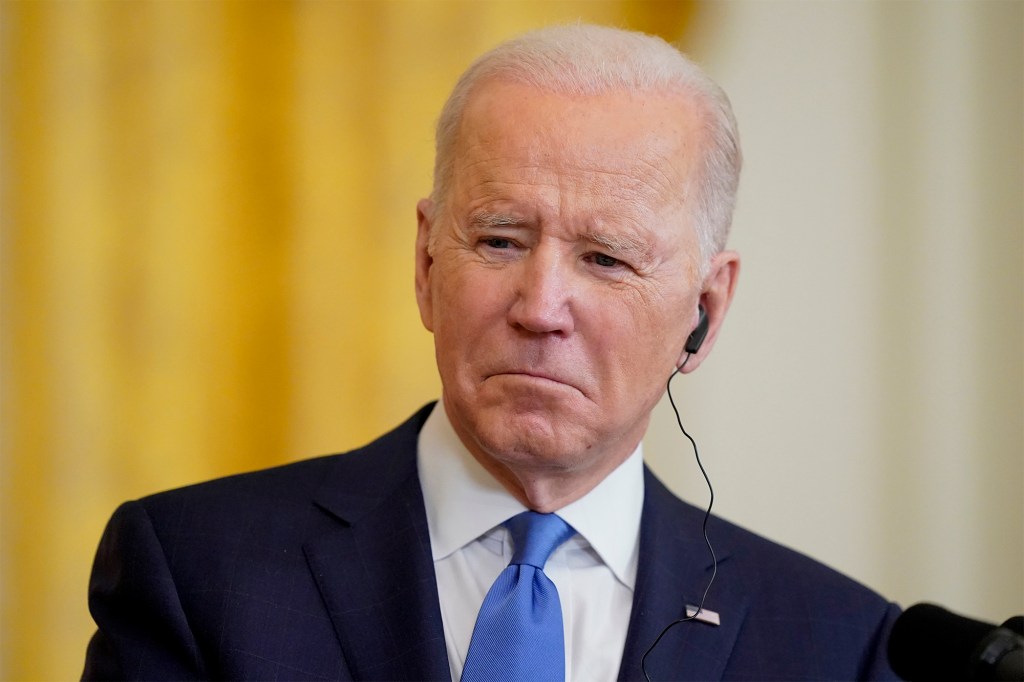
(693,343)
(696,337)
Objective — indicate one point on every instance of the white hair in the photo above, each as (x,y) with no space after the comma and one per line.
(582,59)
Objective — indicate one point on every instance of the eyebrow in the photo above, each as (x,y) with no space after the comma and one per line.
(489,220)
(618,242)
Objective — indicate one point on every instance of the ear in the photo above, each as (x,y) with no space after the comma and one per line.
(716,295)
(424,261)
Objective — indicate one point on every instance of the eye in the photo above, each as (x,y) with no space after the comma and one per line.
(605,261)
(497,242)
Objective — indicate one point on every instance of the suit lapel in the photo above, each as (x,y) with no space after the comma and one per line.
(376,575)
(374,570)
(673,571)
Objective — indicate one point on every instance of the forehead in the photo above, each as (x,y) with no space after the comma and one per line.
(627,152)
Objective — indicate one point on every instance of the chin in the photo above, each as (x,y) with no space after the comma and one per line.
(537,438)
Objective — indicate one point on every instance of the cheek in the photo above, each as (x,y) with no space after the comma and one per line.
(648,345)
(465,306)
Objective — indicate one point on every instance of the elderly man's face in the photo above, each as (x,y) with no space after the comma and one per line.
(563,278)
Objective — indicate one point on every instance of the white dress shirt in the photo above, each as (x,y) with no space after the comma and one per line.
(594,571)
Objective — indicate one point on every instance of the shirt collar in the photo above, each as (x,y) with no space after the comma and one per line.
(463,501)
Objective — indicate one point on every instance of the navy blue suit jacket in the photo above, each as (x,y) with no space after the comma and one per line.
(322,570)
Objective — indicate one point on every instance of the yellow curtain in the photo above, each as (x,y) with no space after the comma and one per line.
(206,255)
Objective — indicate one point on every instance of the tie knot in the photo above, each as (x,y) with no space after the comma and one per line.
(536,536)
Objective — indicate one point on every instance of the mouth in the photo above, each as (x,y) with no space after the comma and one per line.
(536,376)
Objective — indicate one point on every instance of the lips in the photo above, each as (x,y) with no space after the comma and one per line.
(537,374)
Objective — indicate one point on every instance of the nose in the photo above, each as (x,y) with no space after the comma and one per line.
(543,294)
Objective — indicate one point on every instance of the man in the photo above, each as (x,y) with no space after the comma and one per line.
(571,249)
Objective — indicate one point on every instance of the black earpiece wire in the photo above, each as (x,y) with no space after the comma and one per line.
(707,516)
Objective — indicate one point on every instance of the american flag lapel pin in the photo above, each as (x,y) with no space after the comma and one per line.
(704,615)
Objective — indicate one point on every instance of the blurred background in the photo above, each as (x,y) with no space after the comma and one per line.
(208,214)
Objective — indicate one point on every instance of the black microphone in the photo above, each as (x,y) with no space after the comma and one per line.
(930,643)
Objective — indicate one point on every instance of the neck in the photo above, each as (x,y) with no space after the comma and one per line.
(547,489)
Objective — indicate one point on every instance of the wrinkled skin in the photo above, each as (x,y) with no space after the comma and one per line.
(562,280)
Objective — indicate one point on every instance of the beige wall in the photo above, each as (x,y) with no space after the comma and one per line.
(866,402)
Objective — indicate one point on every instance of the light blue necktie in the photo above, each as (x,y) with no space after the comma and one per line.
(518,633)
